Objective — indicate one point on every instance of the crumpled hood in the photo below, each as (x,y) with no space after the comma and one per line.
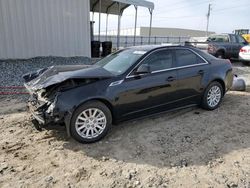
(44,78)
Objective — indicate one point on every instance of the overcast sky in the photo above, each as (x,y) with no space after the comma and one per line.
(226,15)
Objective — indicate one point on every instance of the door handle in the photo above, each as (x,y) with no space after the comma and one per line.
(201,72)
(170,79)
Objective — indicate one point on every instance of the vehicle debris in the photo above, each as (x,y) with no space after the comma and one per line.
(239,84)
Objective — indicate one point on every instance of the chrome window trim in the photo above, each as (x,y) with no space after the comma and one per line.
(181,67)
(174,68)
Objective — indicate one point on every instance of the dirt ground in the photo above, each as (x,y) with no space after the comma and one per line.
(186,148)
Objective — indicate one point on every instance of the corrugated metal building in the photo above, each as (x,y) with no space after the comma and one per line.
(30,28)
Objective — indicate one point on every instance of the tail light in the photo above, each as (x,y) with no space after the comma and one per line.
(243,50)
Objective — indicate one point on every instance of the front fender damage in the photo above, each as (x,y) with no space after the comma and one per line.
(67,120)
(48,107)
(47,86)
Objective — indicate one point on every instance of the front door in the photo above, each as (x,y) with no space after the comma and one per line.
(149,93)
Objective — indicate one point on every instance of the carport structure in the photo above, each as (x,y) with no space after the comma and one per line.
(116,7)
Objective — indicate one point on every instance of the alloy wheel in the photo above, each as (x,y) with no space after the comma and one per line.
(214,96)
(90,123)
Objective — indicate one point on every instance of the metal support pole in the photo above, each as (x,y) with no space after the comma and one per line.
(107,18)
(150,27)
(119,25)
(93,28)
(135,23)
(100,9)
(208,15)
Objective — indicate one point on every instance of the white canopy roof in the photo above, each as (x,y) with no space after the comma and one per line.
(117,7)
(111,6)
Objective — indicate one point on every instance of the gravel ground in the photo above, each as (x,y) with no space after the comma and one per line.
(11,71)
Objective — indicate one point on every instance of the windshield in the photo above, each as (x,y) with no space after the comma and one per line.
(121,61)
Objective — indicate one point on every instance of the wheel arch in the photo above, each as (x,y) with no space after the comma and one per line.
(102,100)
(71,117)
(222,50)
(219,80)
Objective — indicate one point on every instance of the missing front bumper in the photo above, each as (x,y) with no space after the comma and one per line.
(39,116)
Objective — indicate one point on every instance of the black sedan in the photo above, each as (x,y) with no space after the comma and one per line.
(130,83)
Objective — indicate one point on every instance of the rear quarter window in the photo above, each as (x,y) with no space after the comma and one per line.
(205,55)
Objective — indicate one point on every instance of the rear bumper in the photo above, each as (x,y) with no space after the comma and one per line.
(229,80)
(244,58)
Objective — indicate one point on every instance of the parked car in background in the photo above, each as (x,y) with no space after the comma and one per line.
(224,46)
(133,82)
(244,54)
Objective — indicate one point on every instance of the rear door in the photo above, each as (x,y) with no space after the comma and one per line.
(192,70)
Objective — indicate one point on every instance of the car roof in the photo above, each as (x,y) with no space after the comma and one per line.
(149,48)
(153,47)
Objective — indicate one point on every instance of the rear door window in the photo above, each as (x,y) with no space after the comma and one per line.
(186,57)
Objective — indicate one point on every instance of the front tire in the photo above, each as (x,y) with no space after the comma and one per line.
(90,122)
(212,96)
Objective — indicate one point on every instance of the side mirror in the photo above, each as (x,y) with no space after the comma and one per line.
(143,69)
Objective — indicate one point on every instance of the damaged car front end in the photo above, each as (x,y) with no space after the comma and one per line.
(42,108)
(50,91)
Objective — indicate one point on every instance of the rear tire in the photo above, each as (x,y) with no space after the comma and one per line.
(220,55)
(212,96)
(90,122)
(247,63)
